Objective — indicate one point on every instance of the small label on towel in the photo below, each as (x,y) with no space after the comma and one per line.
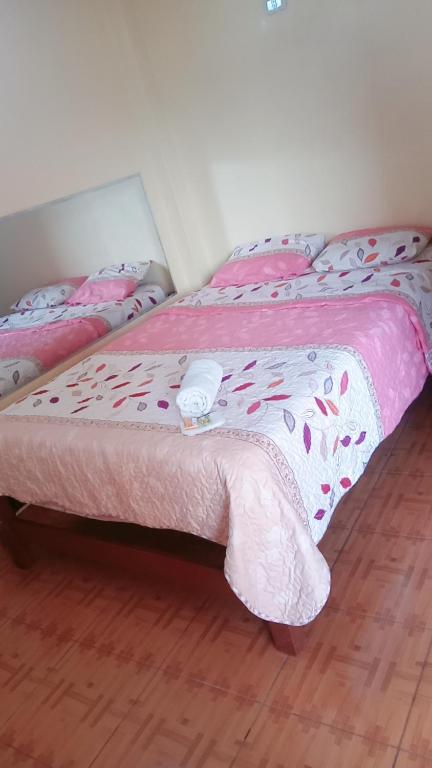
(196,425)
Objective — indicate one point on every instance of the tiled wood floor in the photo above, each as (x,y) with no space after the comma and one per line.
(99,670)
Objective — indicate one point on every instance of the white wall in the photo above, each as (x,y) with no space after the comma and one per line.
(240,124)
(318,117)
(76,236)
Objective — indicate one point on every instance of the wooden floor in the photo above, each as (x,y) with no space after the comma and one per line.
(99,670)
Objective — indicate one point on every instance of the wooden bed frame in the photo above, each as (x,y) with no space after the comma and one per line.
(180,558)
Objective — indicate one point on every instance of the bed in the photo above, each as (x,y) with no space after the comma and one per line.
(317,371)
(33,341)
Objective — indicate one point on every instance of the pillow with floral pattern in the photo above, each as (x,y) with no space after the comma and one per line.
(49,295)
(372,248)
(113,283)
(275,258)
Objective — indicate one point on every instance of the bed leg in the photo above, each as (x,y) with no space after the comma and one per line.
(285,639)
(10,540)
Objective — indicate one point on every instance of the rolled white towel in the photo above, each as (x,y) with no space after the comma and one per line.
(199,387)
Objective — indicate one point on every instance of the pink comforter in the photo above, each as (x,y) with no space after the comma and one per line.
(36,340)
(34,350)
(307,395)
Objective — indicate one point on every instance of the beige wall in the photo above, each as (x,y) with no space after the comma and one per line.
(241,124)
(319,117)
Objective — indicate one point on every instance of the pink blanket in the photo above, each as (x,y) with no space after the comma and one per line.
(308,393)
(36,340)
(27,353)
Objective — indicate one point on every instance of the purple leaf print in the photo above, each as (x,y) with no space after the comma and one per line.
(226,378)
(289,420)
(163,404)
(117,403)
(328,385)
(258,287)
(321,406)
(140,394)
(320,514)
(307,437)
(82,408)
(241,387)
(152,300)
(360,438)
(346,441)
(237,297)
(366,279)
(254,407)
(250,365)
(400,250)
(119,386)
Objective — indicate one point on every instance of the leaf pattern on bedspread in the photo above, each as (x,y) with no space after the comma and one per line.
(324,439)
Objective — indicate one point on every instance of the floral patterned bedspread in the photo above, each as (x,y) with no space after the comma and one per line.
(410,282)
(301,419)
(298,410)
(113,313)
